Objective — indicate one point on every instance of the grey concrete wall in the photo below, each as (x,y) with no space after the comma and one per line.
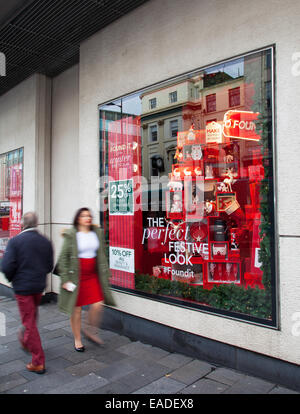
(18,129)
(25,122)
(65,198)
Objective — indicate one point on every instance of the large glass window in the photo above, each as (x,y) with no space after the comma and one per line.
(189,218)
(11,196)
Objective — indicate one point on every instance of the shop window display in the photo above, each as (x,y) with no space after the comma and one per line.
(11,196)
(200,233)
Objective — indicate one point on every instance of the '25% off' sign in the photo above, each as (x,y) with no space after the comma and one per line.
(121,197)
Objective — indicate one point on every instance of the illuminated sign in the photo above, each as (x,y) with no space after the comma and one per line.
(241,125)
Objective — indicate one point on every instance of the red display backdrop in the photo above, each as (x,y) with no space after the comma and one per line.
(213,207)
(124,161)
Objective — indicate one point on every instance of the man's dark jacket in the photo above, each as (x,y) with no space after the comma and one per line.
(27,260)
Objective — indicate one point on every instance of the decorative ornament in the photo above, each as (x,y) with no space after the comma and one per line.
(209,171)
(196,152)
(178,155)
(198,171)
(209,207)
(219,251)
(187,171)
(176,172)
(229,180)
(233,239)
(156,271)
(175,185)
(177,204)
(191,134)
(198,231)
(222,188)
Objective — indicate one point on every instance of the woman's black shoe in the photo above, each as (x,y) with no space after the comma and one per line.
(80,349)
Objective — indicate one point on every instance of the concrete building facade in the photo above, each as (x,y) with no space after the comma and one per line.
(56,121)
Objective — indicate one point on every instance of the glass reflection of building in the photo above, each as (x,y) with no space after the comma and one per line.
(168,109)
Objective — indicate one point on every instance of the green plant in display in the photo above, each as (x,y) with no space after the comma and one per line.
(251,301)
(265,254)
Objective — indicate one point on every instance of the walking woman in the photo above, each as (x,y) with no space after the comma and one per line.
(84,272)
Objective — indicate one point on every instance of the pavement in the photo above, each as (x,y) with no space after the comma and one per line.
(120,366)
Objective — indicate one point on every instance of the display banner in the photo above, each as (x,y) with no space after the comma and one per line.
(241,125)
(124,166)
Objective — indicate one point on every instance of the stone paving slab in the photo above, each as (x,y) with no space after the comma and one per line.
(174,361)
(282,390)
(226,376)
(114,388)
(59,363)
(250,385)
(192,371)
(137,380)
(78,357)
(117,370)
(82,385)
(3,349)
(56,352)
(56,342)
(7,338)
(162,386)
(144,372)
(41,384)
(11,366)
(138,349)
(11,318)
(110,356)
(11,381)
(205,386)
(86,367)
(56,325)
(12,356)
(120,366)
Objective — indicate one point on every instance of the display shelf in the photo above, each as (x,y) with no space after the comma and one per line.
(224,272)
(217,203)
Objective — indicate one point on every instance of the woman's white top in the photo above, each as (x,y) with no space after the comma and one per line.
(87,244)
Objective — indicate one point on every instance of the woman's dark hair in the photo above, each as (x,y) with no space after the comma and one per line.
(77,214)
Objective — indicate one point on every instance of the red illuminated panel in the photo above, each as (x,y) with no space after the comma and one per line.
(241,125)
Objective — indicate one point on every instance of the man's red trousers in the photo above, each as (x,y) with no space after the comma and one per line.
(31,341)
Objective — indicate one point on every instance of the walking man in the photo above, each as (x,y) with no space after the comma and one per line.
(27,260)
